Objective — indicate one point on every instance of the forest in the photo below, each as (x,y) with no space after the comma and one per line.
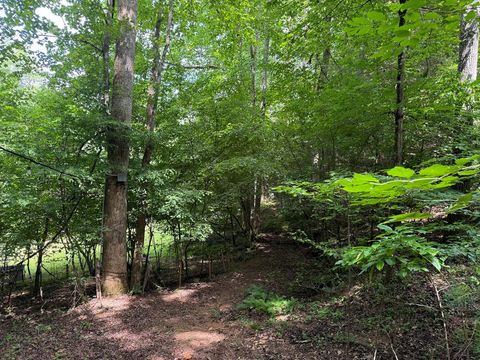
(239,179)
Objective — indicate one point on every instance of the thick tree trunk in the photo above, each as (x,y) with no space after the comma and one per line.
(468,50)
(400,90)
(114,275)
(152,103)
(468,53)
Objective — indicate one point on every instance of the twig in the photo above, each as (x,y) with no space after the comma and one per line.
(391,345)
(393,350)
(440,306)
(421,305)
(375,355)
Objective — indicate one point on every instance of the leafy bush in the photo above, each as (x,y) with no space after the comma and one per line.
(423,205)
(399,248)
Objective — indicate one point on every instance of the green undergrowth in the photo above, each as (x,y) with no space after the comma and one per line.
(265,302)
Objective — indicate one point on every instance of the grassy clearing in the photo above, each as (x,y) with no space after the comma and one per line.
(55,259)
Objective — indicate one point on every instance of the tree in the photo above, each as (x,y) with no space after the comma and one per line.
(114,262)
(400,90)
(158,64)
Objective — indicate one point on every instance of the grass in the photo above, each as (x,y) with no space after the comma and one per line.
(319,312)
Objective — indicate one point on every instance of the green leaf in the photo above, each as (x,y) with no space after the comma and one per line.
(401,172)
(408,217)
(461,203)
(364,178)
(414,4)
(402,33)
(380,264)
(471,15)
(375,15)
(433,16)
(385,228)
(467,172)
(390,261)
(436,263)
(438,170)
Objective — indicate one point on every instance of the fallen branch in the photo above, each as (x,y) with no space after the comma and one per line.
(444,320)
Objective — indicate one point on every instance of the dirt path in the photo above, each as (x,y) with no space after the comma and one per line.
(193,322)
(201,321)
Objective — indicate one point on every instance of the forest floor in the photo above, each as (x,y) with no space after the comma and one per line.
(202,320)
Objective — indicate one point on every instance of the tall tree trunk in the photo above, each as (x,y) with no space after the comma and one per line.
(400,90)
(263,109)
(249,199)
(468,50)
(152,104)
(114,276)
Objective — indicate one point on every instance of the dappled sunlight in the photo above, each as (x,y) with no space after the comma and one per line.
(197,339)
(105,307)
(184,295)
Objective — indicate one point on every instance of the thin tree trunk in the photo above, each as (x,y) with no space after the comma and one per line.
(324,69)
(266,51)
(257,203)
(253,74)
(152,104)
(106,54)
(249,203)
(114,275)
(38,272)
(98,284)
(28,264)
(147,257)
(400,90)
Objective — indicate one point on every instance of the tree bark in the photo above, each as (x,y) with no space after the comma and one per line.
(114,274)
(253,74)
(106,54)
(468,50)
(468,54)
(400,91)
(266,51)
(152,104)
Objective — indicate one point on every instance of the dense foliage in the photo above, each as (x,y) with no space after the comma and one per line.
(312,99)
